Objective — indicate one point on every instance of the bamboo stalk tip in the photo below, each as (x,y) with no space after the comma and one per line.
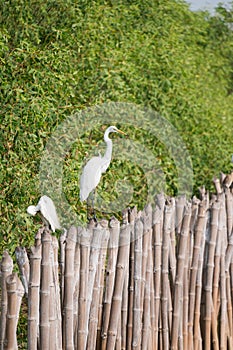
(114,222)
(7,262)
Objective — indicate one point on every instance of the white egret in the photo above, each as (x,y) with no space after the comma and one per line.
(47,208)
(96,166)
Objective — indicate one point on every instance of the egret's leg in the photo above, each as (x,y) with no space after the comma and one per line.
(88,206)
(93,204)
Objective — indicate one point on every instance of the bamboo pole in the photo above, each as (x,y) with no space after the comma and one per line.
(157,239)
(15,292)
(85,239)
(110,277)
(137,311)
(95,319)
(45,290)
(132,216)
(118,337)
(62,242)
(55,331)
(231,276)
(122,263)
(34,298)
(172,244)
(96,243)
(68,326)
(57,293)
(180,206)
(165,282)
(198,237)
(124,313)
(229,252)
(146,329)
(217,185)
(196,327)
(100,291)
(209,273)
(147,223)
(215,286)
(152,342)
(23,264)
(223,321)
(229,210)
(179,274)
(184,329)
(77,263)
(229,309)
(6,270)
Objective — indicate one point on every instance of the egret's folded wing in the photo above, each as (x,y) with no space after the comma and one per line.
(48,210)
(90,177)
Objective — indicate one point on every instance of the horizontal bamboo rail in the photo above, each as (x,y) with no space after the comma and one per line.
(163,279)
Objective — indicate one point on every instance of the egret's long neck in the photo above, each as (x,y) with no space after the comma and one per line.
(108,152)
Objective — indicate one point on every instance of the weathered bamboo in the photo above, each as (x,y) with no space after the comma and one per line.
(146,329)
(85,239)
(231,276)
(23,264)
(157,239)
(132,216)
(152,342)
(147,222)
(137,311)
(68,326)
(94,335)
(93,262)
(229,310)
(34,298)
(99,287)
(124,312)
(110,277)
(180,206)
(229,252)
(15,292)
(6,270)
(186,276)
(223,320)
(209,273)
(199,229)
(120,302)
(76,290)
(46,275)
(62,242)
(217,185)
(165,282)
(196,326)
(122,263)
(172,244)
(228,180)
(180,331)
(56,308)
(179,275)
(229,210)
(215,287)
(118,337)
(53,336)
(172,254)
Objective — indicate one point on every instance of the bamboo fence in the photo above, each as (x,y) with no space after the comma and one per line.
(162,279)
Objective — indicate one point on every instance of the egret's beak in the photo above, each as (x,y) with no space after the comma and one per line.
(121,132)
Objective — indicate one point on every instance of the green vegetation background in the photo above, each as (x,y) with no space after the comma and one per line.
(58,57)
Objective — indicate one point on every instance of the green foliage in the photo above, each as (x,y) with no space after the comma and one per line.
(60,57)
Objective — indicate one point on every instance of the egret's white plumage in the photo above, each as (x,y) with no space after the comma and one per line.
(94,168)
(48,211)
